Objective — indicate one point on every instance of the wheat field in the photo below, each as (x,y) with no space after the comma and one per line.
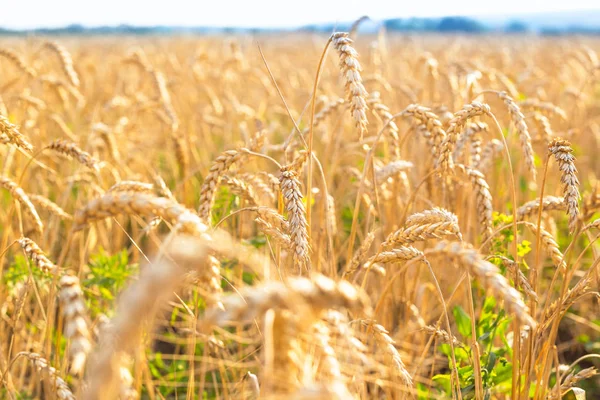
(299,217)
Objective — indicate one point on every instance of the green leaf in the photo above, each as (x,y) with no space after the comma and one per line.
(491,361)
(422,392)
(463,322)
(443,382)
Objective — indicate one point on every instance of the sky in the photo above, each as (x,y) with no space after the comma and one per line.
(255,13)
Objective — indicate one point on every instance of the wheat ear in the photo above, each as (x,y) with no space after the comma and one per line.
(432,126)
(18,61)
(355,91)
(49,206)
(11,134)
(561,149)
(383,337)
(518,120)
(36,255)
(488,274)
(113,204)
(63,392)
(22,197)
(66,62)
(70,149)
(428,224)
(318,293)
(292,197)
(455,127)
(74,312)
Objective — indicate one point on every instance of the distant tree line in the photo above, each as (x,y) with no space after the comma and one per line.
(425,25)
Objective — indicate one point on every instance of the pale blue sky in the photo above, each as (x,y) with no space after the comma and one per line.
(250,13)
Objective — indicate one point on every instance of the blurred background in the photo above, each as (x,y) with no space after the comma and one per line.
(192,17)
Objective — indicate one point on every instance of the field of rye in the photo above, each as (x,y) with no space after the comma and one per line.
(299,217)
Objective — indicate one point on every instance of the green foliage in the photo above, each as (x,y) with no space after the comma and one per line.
(172,375)
(347,214)
(19,270)
(225,200)
(107,277)
(496,371)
